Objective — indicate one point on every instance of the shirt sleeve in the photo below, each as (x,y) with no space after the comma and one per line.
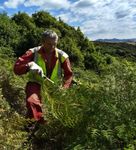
(21,65)
(68,75)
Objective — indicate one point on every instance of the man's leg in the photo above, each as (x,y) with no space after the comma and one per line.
(33,102)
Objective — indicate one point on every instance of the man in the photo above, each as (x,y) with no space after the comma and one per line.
(42,61)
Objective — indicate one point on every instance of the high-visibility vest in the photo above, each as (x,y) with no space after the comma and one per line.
(56,72)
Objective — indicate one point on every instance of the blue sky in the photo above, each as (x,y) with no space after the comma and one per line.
(96,18)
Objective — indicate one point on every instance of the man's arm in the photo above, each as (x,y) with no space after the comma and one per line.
(21,65)
(68,75)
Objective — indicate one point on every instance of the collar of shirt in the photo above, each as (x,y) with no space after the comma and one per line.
(46,56)
(50,59)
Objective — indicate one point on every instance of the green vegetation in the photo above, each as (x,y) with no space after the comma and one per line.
(98,112)
(123,50)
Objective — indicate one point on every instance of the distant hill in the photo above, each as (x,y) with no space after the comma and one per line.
(118,49)
(114,40)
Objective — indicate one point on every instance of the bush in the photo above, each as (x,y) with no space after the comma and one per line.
(9,35)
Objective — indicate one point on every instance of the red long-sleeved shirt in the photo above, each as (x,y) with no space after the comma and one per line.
(21,66)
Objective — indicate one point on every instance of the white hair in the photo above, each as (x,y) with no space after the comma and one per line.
(49,34)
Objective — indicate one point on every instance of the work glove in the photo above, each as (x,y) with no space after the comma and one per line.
(36,68)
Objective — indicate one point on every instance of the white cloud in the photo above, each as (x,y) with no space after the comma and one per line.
(30,3)
(48,4)
(103,18)
(96,18)
(69,18)
(106,18)
(64,16)
(1,8)
(13,3)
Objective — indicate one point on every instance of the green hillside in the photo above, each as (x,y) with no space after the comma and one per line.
(96,113)
(124,50)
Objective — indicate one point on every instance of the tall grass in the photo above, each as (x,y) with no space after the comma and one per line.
(97,113)
(100,113)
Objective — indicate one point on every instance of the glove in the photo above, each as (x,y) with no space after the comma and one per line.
(36,68)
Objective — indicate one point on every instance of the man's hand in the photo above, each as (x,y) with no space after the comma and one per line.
(36,68)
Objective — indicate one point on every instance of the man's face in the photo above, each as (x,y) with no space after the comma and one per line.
(50,44)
